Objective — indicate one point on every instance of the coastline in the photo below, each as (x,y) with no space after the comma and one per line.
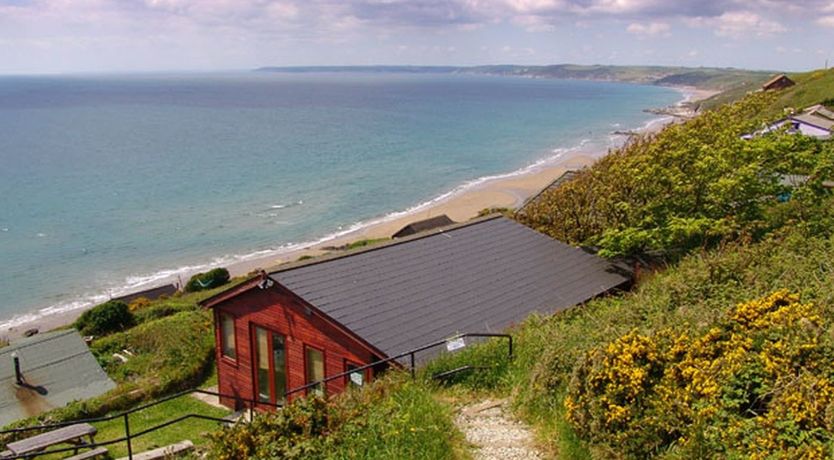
(460,204)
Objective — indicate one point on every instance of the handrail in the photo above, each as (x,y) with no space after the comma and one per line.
(125,415)
(410,354)
(136,409)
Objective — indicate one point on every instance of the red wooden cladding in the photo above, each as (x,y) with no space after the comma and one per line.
(278,310)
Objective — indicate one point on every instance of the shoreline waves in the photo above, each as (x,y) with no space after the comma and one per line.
(460,204)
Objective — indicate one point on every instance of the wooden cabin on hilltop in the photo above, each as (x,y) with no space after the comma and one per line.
(778,82)
(319,318)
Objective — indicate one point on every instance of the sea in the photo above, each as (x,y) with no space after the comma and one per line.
(114,183)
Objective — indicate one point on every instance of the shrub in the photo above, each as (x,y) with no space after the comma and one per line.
(756,384)
(391,418)
(208,280)
(139,303)
(109,317)
(692,185)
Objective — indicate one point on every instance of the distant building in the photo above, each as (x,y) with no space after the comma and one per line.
(56,368)
(423,226)
(307,321)
(778,82)
(815,121)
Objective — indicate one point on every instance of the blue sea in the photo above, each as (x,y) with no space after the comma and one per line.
(113,183)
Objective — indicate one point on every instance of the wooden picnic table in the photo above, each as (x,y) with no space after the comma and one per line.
(73,434)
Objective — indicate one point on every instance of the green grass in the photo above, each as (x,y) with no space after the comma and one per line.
(363,243)
(192,429)
(811,88)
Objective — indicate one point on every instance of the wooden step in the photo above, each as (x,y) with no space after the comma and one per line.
(164,452)
(89,454)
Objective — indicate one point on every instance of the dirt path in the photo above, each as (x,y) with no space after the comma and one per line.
(496,435)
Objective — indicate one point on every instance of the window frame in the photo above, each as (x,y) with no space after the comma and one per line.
(223,355)
(271,333)
(307,381)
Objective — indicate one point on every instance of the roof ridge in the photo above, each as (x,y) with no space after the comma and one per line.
(394,242)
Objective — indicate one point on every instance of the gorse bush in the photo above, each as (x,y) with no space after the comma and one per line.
(109,317)
(757,383)
(208,280)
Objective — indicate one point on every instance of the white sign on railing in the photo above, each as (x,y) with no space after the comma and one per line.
(356,378)
(455,344)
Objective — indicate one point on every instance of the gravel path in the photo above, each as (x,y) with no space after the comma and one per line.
(496,435)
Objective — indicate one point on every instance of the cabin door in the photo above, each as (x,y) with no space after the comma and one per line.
(271,370)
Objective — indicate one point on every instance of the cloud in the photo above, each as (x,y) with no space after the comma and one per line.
(650,30)
(826,21)
(744,23)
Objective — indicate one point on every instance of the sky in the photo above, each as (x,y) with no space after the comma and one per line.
(79,36)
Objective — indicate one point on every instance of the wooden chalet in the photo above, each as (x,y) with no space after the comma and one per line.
(778,82)
(319,318)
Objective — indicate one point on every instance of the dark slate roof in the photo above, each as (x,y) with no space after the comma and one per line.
(424,225)
(59,363)
(476,277)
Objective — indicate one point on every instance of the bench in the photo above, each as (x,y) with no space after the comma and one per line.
(89,454)
(73,434)
(164,452)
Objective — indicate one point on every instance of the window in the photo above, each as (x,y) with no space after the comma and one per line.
(314,362)
(354,379)
(228,346)
(270,366)
(264,389)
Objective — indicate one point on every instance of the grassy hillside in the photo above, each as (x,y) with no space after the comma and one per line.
(812,88)
(720,79)
(702,77)
(596,354)
(726,352)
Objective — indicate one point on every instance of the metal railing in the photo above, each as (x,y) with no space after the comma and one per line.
(411,355)
(125,415)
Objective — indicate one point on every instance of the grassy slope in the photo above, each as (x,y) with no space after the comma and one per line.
(689,296)
(705,78)
(701,77)
(173,350)
(812,88)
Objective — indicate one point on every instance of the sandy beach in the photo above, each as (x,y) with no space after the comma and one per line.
(507,191)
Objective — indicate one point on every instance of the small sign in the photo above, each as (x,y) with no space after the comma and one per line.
(455,344)
(356,378)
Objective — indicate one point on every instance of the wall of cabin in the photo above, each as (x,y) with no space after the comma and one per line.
(278,310)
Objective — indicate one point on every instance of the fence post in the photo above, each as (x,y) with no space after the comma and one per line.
(511,346)
(412,365)
(127,437)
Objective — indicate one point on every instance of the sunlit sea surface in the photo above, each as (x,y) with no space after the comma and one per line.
(109,184)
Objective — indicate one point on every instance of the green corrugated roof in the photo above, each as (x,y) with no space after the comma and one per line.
(59,363)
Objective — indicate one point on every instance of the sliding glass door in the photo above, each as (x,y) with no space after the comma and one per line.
(271,366)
